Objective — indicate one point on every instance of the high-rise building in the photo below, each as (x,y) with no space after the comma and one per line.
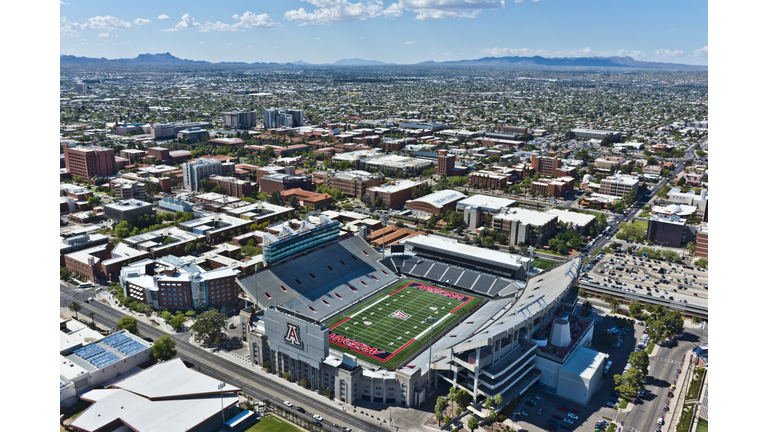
(89,161)
(198,169)
(445,162)
(235,187)
(618,185)
(240,119)
(282,117)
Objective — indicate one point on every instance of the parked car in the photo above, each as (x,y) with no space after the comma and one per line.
(557,417)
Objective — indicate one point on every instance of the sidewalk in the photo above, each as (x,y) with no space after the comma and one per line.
(681,386)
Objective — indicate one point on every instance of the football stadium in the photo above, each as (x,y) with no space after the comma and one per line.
(385,326)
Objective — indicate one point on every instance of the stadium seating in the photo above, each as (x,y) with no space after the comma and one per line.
(461,278)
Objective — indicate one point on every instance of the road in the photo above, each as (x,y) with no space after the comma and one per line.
(253,384)
(661,375)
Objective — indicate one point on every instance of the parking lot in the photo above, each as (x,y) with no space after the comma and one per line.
(652,277)
(550,407)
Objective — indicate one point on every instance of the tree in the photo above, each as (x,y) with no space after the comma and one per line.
(488,241)
(164,348)
(287,375)
(498,400)
(606,298)
(586,308)
(209,326)
(472,423)
(75,307)
(701,263)
(628,383)
(452,396)
(128,323)
(304,383)
(94,201)
(463,398)
(640,361)
(177,322)
(441,404)
(488,403)
(614,304)
(493,416)
(477,239)
(457,411)
(635,308)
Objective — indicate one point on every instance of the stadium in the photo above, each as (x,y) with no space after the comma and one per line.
(386,327)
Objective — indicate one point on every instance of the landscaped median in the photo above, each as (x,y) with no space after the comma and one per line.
(695,387)
(650,348)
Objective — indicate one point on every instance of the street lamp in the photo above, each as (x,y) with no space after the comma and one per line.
(431,322)
(221,389)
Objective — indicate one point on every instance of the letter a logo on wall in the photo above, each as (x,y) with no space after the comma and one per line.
(399,314)
(292,335)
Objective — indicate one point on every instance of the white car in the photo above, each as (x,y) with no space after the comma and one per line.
(288,404)
(317,418)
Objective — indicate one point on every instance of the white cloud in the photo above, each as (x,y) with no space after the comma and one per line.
(163,17)
(634,54)
(66,29)
(108,34)
(523,52)
(439,9)
(169,30)
(328,11)
(63,2)
(410,42)
(187,22)
(101,23)
(251,20)
(521,1)
(361,38)
(701,52)
(446,53)
(317,38)
(669,53)
(142,21)
(201,42)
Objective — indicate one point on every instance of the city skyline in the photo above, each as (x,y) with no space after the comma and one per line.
(404,32)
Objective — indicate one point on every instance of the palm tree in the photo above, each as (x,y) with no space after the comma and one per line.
(75,307)
(92,314)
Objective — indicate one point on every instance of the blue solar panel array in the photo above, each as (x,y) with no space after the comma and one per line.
(100,357)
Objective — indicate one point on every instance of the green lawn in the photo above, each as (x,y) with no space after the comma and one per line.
(269,423)
(703,425)
(398,338)
(650,348)
(543,264)
(623,404)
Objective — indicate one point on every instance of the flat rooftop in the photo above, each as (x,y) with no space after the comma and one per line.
(394,187)
(526,216)
(486,202)
(473,253)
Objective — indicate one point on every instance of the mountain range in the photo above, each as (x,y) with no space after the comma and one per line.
(512,62)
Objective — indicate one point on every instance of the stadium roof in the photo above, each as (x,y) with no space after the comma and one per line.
(440,198)
(472,253)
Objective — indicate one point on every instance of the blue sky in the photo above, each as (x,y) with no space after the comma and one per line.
(403,32)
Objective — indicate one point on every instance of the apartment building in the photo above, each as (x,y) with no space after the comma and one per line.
(196,170)
(87,161)
(557,188)
(393,194)
(353,183)
(282,117)
(281,182)
(125,189)
(488,179)
(240,119)
(525,226)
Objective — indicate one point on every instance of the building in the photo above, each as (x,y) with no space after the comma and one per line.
(89,161)
(291,242)
(78,240)
(88,360)
(196,170)
(436,203)
(619,185)
(174,205)
(479,210)
(127,210)
(192,135)
(260,212)
(519,130)
(169,131)
(241,119)
(488,179)
(125,189)
(610,163)
(353,183)
(662,148)
(549,166)
(393,194)
(178,283)
(165,397)
(222,142)
(557,188)
(702,241)
(282,117)
(580,222)
(666,231)
(86,263)
(523,226)
(422,125)
(235,187)
(593,134)
(308,199)
(392,163)
(133,155)
(281,182)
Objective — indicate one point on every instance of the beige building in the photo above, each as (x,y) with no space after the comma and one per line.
(353,183)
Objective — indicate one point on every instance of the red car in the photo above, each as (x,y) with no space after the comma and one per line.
(562,408)
(575,410)
(551,428)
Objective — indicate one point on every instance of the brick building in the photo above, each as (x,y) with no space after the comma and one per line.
(488,179)
(125,189)
(280,182)
(393,194)
(89,161)
(557,188)
(309,199)
(436,203)
(445,162)
(702,241)
(353,183)
(236,188)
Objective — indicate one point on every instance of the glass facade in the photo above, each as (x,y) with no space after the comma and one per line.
(295,244)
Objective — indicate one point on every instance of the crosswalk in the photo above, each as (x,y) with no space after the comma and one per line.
(665,360)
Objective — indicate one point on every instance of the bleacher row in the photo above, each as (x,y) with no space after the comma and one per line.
(96,355)
(461,278)
(324,281)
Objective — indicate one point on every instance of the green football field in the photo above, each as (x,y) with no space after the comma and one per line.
(390,327)
(270,423)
